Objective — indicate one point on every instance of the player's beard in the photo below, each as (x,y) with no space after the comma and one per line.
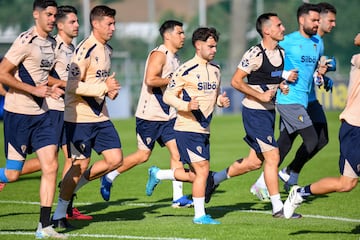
(310,31)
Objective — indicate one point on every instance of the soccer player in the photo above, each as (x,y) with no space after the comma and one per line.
(67,25)
(193,91)
(155,119)
(263,66)
(349,160)
(316,113)
(86,117)
(27,126)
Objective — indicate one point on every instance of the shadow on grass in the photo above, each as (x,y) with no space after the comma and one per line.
(356,231)
(130,214)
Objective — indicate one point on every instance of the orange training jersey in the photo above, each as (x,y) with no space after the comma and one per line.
(151,105)
(86,88)
(34,58)
(351,113)
(63,53)
(195,78)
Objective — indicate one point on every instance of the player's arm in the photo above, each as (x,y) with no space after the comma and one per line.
(239,84)
(52,81)
(76,82)
(153,73)
(7,70)
(172,93)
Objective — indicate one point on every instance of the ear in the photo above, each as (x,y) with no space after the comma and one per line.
(36,14)
(301,20)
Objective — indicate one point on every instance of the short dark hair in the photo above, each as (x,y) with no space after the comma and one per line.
(101,11)
(263,18)
(169,25)
(42,4)
(306,8)
(326,7)
(203,33)
(63,11)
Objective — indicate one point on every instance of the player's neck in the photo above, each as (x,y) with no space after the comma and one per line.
(269,44)
(42,33)
(65,38)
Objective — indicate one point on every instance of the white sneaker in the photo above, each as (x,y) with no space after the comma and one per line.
(292,202)
(261,193)
(283,175)
(48,232)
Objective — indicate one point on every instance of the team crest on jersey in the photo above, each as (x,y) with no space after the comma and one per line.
(75,71)
(199,149)
(23,148)
(172,83)
(245,62)
(301,118)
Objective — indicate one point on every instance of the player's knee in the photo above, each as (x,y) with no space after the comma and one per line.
(348,186)
(12,175)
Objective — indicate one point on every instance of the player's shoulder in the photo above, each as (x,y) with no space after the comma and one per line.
(85,48)
(254,51)
(26,37)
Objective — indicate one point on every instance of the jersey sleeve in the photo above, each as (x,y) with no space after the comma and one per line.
(172,94)
(251,60)
(77,79)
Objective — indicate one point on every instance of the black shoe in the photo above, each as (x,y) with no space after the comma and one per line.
(69,210)
(61,223)
(210,187)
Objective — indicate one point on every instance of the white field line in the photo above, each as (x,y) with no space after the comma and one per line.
(99,236)
(220,208)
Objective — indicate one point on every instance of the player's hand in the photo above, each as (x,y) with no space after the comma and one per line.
(323,65)
(193,104)
(224,100)
(284,87)
(56,91)
(293,76)
(112,83)
(113,94)
(268,95)
(42,90)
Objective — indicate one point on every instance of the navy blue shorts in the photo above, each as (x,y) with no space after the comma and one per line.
(25,134)
(349,137)
(193,147)
(83,137)
(259,127)
(57,119)
(149,132)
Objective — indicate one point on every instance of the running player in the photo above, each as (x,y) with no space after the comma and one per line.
(86,117)
(194,90)
(349,137)
(155,119)
(27,126)
(263,66)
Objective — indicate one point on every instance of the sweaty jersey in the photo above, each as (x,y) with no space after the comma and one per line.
(301,53)
(195,78)
(151,105)
(351,113)
(86,88)
(312,94)
(63,54)
(34,57)
(264,68)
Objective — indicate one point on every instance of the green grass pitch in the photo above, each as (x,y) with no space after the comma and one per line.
(130,214)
